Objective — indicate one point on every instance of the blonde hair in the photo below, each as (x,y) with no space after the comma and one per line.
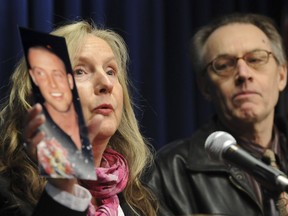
(127,140)
(15,165)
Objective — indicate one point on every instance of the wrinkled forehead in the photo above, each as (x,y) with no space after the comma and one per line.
(235,39)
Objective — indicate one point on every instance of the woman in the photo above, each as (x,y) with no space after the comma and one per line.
(99,59)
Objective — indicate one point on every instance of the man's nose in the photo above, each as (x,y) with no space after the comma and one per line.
(242,68)
(52,82)
(243,71)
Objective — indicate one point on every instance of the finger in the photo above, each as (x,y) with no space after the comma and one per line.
(33,142)
(31,133)
(33,112)
(31,146)
(33,126)
(33,121)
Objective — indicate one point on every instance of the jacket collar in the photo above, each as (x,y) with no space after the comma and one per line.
(203,164)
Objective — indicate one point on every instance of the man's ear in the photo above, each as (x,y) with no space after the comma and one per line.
(282,77)
(70,81)
(203,84)
(33,78)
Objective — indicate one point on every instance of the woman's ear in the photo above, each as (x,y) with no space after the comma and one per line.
(203,84)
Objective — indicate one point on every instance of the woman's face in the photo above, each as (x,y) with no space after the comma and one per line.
(96,76)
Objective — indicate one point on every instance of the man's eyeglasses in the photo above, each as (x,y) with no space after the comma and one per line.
(226,64)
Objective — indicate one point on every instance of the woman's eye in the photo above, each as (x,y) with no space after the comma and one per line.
(78,72)
(82,74)
(111,72)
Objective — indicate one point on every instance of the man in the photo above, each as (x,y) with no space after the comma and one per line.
(48,73)
(241,68)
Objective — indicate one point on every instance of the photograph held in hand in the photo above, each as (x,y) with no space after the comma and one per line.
(65,150)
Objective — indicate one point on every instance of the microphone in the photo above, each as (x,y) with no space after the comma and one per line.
(222,146)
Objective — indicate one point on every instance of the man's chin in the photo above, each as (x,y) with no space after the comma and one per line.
(247,117)
(60,109)
(241,118)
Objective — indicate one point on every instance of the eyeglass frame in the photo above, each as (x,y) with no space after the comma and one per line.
(236,60)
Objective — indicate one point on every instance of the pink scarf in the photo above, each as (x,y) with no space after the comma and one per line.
(112,178)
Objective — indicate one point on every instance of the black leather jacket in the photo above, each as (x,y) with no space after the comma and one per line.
(187,182)
(10,205)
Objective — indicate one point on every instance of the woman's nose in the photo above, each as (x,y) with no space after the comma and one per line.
(103,84)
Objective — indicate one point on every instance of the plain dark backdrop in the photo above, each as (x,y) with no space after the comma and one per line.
(158,33)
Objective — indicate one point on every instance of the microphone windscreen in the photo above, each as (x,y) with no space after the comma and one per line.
(217,142)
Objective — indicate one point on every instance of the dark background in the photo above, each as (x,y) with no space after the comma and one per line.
(157,33)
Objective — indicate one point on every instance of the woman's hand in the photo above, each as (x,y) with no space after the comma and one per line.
(32,135)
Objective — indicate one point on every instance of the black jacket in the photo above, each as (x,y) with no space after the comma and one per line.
(186,181)
(11,205)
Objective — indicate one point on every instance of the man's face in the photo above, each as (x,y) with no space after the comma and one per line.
(49,74)
(248,94)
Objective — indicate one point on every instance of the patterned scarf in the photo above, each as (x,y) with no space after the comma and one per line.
(112,178)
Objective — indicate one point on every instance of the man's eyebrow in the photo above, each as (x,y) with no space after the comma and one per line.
(59,70)
(37,67)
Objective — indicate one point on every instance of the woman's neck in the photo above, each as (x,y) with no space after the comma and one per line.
(98,150)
